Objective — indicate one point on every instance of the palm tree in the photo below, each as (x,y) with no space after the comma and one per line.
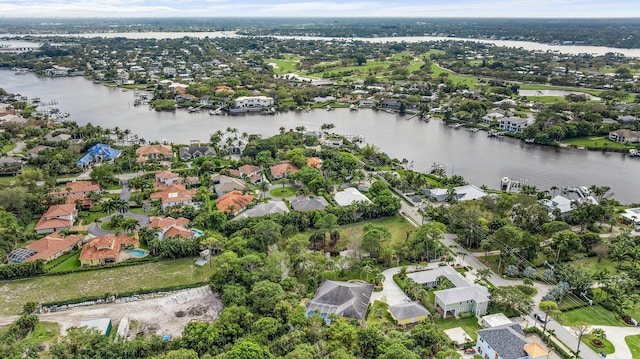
(116,221)
(129,224)
(122,206)
(264,187)
(108,206)
(483,274)
(553,190)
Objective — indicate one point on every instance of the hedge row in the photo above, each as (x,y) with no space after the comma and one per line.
(129,262)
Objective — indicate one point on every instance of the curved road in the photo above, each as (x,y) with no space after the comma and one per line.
(125,194)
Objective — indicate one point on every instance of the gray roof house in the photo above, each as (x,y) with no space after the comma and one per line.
(463,193)
(411,312)
(349,300)
(349,196)
(464,298)
(225,184)
(507,342)
(263,209)
(308,203)
(191,152)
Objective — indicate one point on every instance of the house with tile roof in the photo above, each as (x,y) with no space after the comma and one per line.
(225,184)
(314,162)
(76,192)
(233,202)
(264,209)
(155,152)
(349,300)
(166,178)
(507,342)
(282,170)
(247,172)
(57,218)
(308,203)
(47,248)
(175,195)
(171,227)
(98,153)
(106,249)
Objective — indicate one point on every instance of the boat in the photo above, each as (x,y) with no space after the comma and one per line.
(473,129)
(124,90)
(529,140)
(634,153)
(329,108)
(437,168)
(455,126)
(353,108)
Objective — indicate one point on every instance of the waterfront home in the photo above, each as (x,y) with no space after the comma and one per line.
(323,99)
(492,116)
(632,215)
(367,102)
(308,203)
(264,209)
(627,119)
(349,196)
(174,195)
(107,249)
(349,300)
(98,153)
(171,227)
(409,313)
(191,152)
(625,136)
(461,193)
(465,297)
(156,152)
(46,248)
(559,204)
(57,71)
(513,124)
(225,184)
(390,103)
(57,218)
(233,202)
(282,170)
(253,102)
(507,342)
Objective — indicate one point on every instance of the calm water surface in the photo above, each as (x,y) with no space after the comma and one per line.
(481,160)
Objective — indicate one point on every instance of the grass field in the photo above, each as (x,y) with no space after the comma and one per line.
(71,262)
(633,342)
(470,325)
(283,192)
(596,143)
(43,333)
(594,315)
(397,226)
(163,274)
(286,65)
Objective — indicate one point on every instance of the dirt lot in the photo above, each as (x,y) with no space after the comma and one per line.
(162,316)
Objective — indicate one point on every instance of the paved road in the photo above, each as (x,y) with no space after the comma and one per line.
(616,336)
(19,147)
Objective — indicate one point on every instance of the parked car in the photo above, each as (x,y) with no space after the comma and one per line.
(540,318)
(470,351)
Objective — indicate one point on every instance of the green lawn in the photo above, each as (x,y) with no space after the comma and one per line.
(397,226)
(13,294)
(8,147)
(633,341)
(596,143)
(455,78)
(287,65)
(283,192)
(70,262)
(594,315)
(606,347)
(379,314)
(89,217)
(470,325)
(591,265)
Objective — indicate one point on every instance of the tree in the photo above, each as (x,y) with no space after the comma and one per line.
(548,307)
(483,274)
(265,295)
(562,241)
(104,175)
(129,224)
(580,329)
(509,299)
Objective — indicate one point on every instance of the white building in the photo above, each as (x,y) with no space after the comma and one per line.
(350,196)
(513,124)
(254,101)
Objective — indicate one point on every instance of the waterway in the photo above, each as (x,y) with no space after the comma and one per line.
(480,159)
(526,45)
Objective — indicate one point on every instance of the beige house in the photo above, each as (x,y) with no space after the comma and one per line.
(624,136)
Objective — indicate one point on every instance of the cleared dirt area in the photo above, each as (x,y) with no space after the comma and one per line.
(166,315)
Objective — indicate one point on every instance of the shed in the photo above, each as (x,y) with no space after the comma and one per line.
(409,313)
(494,320)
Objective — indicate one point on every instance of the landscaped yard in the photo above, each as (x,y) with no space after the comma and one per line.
(397,226)
(379,314)
(594,315)
(606,347)
(633,341)
(596,143)
(14,294)
(69,263)
(470,325)
(283,192)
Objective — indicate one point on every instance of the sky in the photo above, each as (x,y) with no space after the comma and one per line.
(320,8)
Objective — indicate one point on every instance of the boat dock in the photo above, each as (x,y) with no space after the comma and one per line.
(355,138)
(508,185)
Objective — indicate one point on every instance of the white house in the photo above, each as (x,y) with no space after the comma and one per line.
(462,193)
(349,196)
(513,124)
(253,101)
(624,136)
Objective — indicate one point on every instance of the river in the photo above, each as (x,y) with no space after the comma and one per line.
(526,45)
(480,159)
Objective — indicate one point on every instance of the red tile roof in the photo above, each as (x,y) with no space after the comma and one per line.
(106,247)
(233,201)
(77,187)
(175,193)
(51,245)
(50,219)
(280,169)
(314,162)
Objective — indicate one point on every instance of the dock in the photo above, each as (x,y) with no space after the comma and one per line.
(355,138)
(508,185)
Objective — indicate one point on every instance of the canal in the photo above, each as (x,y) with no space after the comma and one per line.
(480,159)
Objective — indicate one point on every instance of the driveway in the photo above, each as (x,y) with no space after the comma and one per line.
(95,230)
(616,336)
(391,292)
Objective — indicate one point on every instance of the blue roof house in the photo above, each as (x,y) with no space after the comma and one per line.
(98,153)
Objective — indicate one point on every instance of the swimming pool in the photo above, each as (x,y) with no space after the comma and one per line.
(196,232)
(138,253)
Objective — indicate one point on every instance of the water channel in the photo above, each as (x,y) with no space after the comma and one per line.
(480,159)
